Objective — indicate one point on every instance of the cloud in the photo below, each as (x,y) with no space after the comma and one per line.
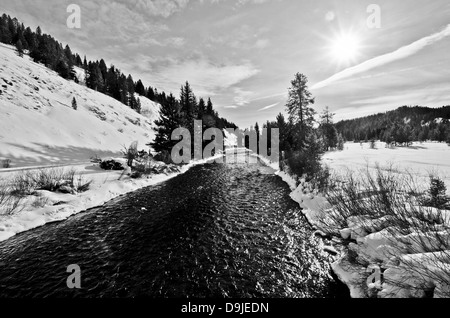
(163,8)
(207,78)
(399,54)
(268,107)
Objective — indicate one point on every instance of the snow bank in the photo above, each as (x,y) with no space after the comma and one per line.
(39,127)
(375,245)
(105,187)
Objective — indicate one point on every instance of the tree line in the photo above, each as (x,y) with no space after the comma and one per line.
(44,49)
(182,113)
(303,138)
(401,126)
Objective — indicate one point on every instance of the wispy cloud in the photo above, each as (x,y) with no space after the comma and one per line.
(399,54)
(207,78)
(268,107)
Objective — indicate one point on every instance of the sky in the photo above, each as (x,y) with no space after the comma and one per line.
(360,59)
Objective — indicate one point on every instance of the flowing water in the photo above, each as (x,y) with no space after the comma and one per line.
(219,230)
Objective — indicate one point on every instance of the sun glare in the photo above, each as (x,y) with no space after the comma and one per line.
(345,48)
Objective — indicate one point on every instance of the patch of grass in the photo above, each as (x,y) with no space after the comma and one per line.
(9,203)
(392,203)
(53,180)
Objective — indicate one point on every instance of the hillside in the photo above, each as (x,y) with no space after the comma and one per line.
(423,123)
(40,127)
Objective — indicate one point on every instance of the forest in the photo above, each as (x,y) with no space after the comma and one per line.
(175,113)
(401,126)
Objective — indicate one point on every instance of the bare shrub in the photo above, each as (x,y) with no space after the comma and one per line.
(131,153)
(27,182)
(9,203)
(417,237)
(40,201)
(6,163)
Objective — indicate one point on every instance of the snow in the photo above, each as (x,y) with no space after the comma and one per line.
(40,128)
(374,241)
(106,186)
(421,159)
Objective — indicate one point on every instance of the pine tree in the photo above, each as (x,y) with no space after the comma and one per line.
(209,119)
(258,136)
(74,104)
(188,103)
(151,94)
(19,48)
(299,110)
(140,89)
(438,193)
(328,130)
(170,119)
(201,109)
(299,100)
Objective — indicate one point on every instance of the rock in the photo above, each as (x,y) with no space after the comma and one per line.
(345,233)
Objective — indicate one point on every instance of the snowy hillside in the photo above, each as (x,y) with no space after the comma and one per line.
(39,127)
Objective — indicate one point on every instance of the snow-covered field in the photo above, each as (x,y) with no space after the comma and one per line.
(421,159)
(38,126)
(396,265)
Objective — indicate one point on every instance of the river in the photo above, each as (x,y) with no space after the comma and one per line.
(219,230)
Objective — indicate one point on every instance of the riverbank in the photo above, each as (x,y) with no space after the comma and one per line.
(46,207)
(375,257)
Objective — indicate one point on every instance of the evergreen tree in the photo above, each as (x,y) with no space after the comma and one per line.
(74,104)
(170,119)
(201,109)
(299,110)
(258,136)
(188,105)
(151,94)
(19,48)
(140,89)
(328,130)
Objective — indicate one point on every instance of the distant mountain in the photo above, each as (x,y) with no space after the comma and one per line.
(404,124)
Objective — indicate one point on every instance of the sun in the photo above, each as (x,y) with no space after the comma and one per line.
(345,48)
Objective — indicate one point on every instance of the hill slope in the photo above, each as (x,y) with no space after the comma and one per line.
(423,122)
(39,127)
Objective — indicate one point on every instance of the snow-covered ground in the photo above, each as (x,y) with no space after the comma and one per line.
(421,159)
(44,206)
(40,129)
(396,262)
(38,126)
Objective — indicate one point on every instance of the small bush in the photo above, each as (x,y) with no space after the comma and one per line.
(341,143)
(304,163)
(389,203)
(131,153)
(96,159)
(437,194)
(53,180)
(111,165)
(164,156)
(9,203)
(6,163)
